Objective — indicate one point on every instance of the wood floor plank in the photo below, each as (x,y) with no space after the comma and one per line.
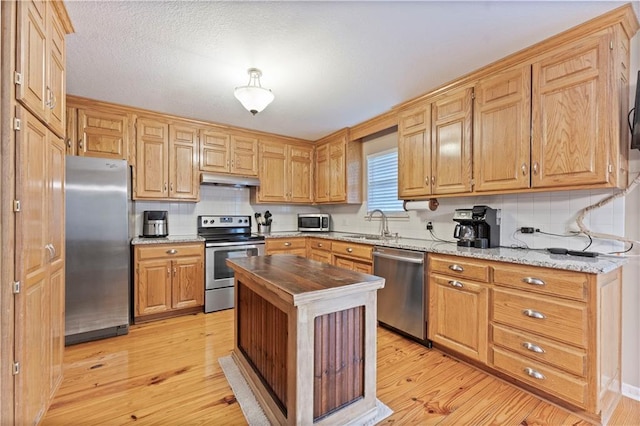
(167,372)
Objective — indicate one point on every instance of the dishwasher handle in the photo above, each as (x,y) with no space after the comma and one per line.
(399,258)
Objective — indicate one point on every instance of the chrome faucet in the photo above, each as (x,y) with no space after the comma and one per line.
(384,231)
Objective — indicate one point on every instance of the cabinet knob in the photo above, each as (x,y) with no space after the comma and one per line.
(68,143)
(80,144)
(535,374)
(533,314)
(287,244)
(171,186)
(456,284)
(172,251)
(524,169)
(535,168)
(165,186)
(426,181)
(533,348)
(319,244)
(456,268)
(533,281)
(433,180)
(349,250)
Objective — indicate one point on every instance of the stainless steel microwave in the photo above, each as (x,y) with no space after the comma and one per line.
(314,222)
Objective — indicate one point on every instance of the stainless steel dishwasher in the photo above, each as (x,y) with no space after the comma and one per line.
(402,303)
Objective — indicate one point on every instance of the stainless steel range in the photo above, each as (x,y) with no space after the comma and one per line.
(227,237)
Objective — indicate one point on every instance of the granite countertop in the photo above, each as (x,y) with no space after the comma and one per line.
(597,265)
(171,239)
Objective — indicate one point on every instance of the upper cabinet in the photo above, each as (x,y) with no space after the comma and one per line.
(285,172)
(98,133)
(166,160)
(338,175)
(434,146)
(225,152)
(40,65)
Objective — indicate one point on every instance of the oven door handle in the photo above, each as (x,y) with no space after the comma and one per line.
(234,244)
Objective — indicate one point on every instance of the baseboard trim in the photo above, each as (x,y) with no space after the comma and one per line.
(632,392)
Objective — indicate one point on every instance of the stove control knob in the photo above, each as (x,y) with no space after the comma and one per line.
(205,221)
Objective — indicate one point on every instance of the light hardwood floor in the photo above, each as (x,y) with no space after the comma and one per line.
(167,373)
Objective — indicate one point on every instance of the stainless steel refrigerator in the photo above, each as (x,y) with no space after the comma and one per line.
(97,248)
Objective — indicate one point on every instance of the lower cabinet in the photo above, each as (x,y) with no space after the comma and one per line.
(554,332)
(356,257)
(169,280)
(319,249)
(296,245)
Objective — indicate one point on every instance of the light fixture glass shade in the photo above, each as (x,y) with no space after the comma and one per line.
(253,96)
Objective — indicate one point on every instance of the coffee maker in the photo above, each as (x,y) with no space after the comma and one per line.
(477,227)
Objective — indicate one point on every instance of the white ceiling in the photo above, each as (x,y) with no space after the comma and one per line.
(330,64)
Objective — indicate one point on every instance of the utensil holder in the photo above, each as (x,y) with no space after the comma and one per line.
(264,229)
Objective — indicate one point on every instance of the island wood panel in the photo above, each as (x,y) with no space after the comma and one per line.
(262,337)
(338,360)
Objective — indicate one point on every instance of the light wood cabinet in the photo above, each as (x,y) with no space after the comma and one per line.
(286,172)
(98,133)
(166,161)
(40,302)
(169,280)
(319,249)
(434,146)
(356,257)
(296,245)
(40,64)
(228,153)
(338,169)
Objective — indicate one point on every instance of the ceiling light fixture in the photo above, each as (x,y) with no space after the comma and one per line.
(253,96)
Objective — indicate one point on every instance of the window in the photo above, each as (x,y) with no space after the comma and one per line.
(382,173)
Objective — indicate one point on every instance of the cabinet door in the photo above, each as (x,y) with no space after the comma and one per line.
(570,115)
(244,156)
(102,134)
(458,316)
(341,262)
(214,151)
(152,162)
(451,142)
(322,173)
(56,99)
(300,174)
(153,287)
(56,336)
(71,131)
(320,256)
(364,267)
(31,39)
(501,139)
(188,283)
(183,162)
(337,171)
(414,153)
(274,178)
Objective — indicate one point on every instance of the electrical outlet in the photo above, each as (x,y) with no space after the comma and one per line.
(429,226)
(527,230)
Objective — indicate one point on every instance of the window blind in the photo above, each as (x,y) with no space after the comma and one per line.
(382,173)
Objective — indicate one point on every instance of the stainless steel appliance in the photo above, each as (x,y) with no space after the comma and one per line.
(226,237)
(155,223)
(314,222)
(97,256)
(402,303)
(477,227)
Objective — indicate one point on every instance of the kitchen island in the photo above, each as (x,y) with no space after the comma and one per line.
(305,338)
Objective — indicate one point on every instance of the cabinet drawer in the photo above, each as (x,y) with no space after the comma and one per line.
(458,267)
(285,243)
(168,251)
(554,282)
(561,356)
(549,379)
(360,251)
(559,319)
(324,245)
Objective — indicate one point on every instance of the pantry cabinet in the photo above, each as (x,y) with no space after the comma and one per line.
(286,172)
(223,152)
(166,161)
(169,280)
(338,165)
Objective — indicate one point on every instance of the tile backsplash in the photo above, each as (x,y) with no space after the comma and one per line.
(551,212)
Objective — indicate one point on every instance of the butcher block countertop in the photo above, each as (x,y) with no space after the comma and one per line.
(297,280)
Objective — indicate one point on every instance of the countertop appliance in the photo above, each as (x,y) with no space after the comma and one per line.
(155,223)
(402,303)
(314,222)
(477,227)
(226,237)
(98,230)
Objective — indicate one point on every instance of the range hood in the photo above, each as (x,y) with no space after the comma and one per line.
(228,180)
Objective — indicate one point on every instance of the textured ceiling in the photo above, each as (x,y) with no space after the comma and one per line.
(330,64)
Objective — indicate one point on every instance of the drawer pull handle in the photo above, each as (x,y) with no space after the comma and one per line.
(456,268)
(535,374)
(456,284)
(533,281)
(533,348)
(287,244)
(319,244)
(172,251)
(533,314)
(349,250)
